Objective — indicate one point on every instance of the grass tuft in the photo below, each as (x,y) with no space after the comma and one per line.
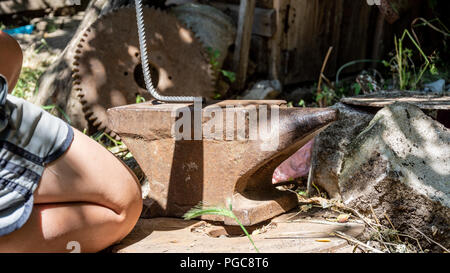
(202,209)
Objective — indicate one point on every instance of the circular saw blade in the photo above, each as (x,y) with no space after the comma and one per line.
(107,70)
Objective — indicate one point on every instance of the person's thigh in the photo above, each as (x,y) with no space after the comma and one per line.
(87,195)
(88,172)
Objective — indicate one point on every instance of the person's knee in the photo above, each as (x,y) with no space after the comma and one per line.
(11,58)
(131,207)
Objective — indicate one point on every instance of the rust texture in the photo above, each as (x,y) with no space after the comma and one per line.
(183,173)
(107,64)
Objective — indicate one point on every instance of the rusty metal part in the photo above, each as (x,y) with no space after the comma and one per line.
(107,69)
(183,173)
(388,12)
(393,9)
(211,26)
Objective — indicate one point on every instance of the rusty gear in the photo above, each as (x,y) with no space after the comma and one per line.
(107,69)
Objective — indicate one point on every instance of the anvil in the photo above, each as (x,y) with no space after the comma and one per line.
(221,153)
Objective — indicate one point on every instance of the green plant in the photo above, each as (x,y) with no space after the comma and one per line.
(302,103)
(43,44)
(116,147)
(27,83)
(201,209)
(139,99)
(402,64)
(231,76)
(327,96)
(213,60)
(51,27)
(356,87)
(51,107)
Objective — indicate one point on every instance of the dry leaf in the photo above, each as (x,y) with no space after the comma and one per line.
(343,218)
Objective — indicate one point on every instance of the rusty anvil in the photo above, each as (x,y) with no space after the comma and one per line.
(184,172)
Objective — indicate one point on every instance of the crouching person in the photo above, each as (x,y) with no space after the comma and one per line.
(57,185)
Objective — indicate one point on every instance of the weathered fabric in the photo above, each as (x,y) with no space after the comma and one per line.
(30,138)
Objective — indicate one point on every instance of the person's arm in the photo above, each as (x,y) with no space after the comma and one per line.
(10,59)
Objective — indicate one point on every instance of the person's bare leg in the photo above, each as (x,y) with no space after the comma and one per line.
(10,59)
(87,195)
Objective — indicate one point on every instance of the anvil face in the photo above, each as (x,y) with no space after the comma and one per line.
(218,153)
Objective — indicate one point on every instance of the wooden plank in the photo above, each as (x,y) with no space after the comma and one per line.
(356,32)
(264,19)
(276,43)
(242,45)
(422,100)
(315,25)
(172,235)
(13,6)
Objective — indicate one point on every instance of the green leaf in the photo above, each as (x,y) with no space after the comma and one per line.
(201,209)
(433,70)
(140,99)
(302,103)
(231,76)
(357,88)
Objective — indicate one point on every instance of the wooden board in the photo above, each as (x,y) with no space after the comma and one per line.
(242,44)
(314,26)
(422,100)
(264,19)
(179,236)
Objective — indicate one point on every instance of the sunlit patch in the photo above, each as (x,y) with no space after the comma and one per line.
(185,35)
(100,75)
(158,36)
(164,81)
(117,98)
(133,51)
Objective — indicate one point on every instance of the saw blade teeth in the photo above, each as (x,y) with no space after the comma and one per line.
(111,133)
(96,122)
(102,127)
(92,118)
(88,113)
(92,39)
(85,106)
